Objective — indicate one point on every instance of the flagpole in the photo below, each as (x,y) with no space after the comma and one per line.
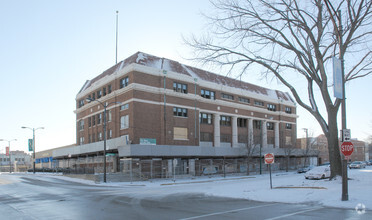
(116,52)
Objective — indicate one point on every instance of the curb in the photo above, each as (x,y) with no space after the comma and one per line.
(298,187)
(205,181)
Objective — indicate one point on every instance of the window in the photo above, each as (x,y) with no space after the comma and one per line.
(256,124)
(123,107)
(99,94)
(81,103)
(104,91)
(99,118)
(93,138)
(81,140)
(100,136)
(258,103)
(81,125)
(206,118)
(225,121)
(227,96)
(90,122)
(288,126)
(245,100)
(270,125)
(93,120)
(124,122)
(205,136)
(124,82)
(207,94)
(242,122)
(180,112)
(288,110)
(179,87)
(271,107)
(180,133)
(93,96)
(109,89)
(288,140)
(242,138)
(110,133)
(109,115)
(225,138)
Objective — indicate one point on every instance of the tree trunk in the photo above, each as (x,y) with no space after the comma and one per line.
(333,146)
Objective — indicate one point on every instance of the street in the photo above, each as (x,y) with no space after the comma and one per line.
(28,196)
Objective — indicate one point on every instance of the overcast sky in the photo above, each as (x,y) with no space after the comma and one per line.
(50,48)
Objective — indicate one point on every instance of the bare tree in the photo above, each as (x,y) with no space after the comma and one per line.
(293,41)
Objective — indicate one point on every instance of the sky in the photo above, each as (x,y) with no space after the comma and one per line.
(50,48)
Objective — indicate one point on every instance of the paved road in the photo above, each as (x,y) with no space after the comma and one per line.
(45,197)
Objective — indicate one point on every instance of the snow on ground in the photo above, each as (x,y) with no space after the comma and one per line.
(287,188)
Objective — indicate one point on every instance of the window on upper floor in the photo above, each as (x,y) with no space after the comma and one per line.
(124,122)
(93,120)
(81,125)
(90,122)
(288,126)
(109,89)
(99,94)
(258,103)
(104,91)
(93,96)
(245,100)
(270,125)
(256,124)
(99,118)
(288,110)
(227,96)
(180,112)
(124,82)
(225,120)
(205,118)
(81,103)
(242,122)
(207,94)
(180,87)
(124,107)
(271,107)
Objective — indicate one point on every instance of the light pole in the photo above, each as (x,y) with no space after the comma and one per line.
(10,159)
(104,131)
(307,144)
(33,143)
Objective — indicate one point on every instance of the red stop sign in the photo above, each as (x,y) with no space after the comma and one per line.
(269,158)
(347,148)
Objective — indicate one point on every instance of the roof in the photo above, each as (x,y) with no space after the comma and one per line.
(174,66)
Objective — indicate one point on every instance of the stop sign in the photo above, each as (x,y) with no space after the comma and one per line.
(269,158)
(347,148)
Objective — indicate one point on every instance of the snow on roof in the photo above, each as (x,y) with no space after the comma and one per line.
(176,67)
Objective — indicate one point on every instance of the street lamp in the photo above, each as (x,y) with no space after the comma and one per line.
(10,159)
(105,105)
(33,143)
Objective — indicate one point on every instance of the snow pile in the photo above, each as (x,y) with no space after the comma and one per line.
(287,187)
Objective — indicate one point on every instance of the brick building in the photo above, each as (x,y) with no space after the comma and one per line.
(159,108)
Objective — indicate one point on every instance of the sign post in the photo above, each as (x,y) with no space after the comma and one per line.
(347,149)
(269,159)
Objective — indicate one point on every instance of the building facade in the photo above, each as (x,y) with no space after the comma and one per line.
(17,161)
(163,102)
(160,109)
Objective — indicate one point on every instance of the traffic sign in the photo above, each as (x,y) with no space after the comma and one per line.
(269,158)
(347,148)
(346,135)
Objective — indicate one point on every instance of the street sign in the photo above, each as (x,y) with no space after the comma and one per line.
(269,158)
(30,147)
(346,135)
(347,148)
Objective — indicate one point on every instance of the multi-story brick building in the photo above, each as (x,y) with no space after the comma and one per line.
(159,108)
